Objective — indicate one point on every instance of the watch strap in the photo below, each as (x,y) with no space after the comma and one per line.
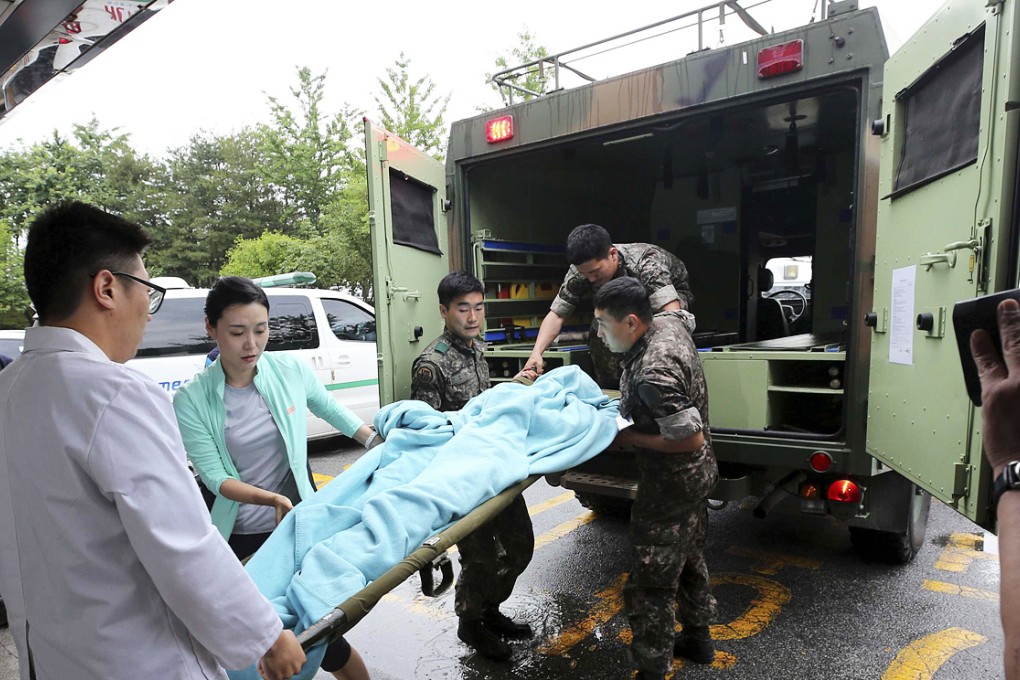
(1008,480)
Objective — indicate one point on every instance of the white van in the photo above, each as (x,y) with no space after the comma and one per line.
(333,332)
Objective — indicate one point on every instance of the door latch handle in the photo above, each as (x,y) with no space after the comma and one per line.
(408,294)
(929,260)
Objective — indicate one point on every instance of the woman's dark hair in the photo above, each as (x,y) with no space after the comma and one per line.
(232,290)
(455,284)
(624,296)
(588,242)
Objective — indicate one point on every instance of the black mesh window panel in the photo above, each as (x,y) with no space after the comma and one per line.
(411,205)
(941,111)
(291,324)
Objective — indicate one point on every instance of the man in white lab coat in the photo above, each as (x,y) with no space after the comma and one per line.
(110,567)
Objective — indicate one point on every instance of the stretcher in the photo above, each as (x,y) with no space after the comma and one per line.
(427,559)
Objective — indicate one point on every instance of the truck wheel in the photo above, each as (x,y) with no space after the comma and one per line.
(3,613)
(890,546)
(606,506)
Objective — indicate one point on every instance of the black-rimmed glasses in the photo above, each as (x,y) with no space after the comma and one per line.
(156,293)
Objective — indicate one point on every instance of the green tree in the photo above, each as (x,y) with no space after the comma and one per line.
(13,296)
(213,192)
(265,255)
(306,154)
(533,80)
(412,109)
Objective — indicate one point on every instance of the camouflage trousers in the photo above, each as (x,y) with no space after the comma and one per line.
(492,558)
(606,364)
(669,582)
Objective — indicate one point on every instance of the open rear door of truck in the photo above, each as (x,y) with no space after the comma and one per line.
(946,191)
(407,201)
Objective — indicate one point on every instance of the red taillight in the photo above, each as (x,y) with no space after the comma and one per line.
(820,461)
(499,129)
(779,59)
(844,491)
(810,491)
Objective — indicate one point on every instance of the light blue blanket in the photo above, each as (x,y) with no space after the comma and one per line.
(433,469)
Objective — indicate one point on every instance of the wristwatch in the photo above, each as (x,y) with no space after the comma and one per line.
(1007,481)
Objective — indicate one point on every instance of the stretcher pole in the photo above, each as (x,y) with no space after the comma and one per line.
(354,608)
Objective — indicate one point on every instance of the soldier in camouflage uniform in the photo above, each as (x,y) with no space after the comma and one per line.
(449,372)
(594,261)
(663,391)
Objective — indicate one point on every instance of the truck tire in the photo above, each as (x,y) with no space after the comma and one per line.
(606,506)
(892,547)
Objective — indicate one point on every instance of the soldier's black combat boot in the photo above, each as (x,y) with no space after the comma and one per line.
(695,644)
(501,624)
(475,634)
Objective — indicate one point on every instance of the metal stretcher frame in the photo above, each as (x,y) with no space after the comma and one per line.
(349,612)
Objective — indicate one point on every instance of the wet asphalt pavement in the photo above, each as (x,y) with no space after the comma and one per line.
(794,602)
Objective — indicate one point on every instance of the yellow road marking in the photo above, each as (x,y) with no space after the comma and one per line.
(922,658)
(723,661)
(769,563)
(321,480)
(961,551)
(562,530)
(551,503)
(963,591)
(556,532)
(608,603)
(771,598)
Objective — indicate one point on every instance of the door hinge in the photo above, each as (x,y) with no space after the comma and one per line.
(961,478)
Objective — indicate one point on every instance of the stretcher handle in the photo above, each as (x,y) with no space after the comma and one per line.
(353,609)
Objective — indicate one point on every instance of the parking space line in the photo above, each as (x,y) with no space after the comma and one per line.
(922,658)
(321,480)
(608,603)
(759,614)
(769,563)
(562,530)
(551,503)
(961,551)
(963,591)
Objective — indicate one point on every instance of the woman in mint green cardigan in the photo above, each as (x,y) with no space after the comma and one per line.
(244,425)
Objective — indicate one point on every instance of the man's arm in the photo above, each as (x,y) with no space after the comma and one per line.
(427,383)
(1000,398)
(551,326)
(673,306)
(656,442)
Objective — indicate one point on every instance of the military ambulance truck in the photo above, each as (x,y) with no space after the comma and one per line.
(894,178)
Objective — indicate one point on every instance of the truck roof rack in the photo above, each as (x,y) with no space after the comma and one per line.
(508,80)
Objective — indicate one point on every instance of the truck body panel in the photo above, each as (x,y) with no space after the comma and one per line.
(742,176)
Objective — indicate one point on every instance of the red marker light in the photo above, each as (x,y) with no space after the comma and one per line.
(844,491)
(499,129)
(820,461)
(779,59)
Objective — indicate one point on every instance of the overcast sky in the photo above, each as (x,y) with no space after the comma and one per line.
(208,64)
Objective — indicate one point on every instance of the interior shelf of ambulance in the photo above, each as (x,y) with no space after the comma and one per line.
(521,279)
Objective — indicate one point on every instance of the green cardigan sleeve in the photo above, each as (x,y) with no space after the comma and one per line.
(199,440)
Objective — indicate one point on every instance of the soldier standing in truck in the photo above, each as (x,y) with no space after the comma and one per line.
(594,261)
(664,392)
(450,371)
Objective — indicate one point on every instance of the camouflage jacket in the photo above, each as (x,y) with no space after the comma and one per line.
(663,390)
(661,272)
(449,372)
